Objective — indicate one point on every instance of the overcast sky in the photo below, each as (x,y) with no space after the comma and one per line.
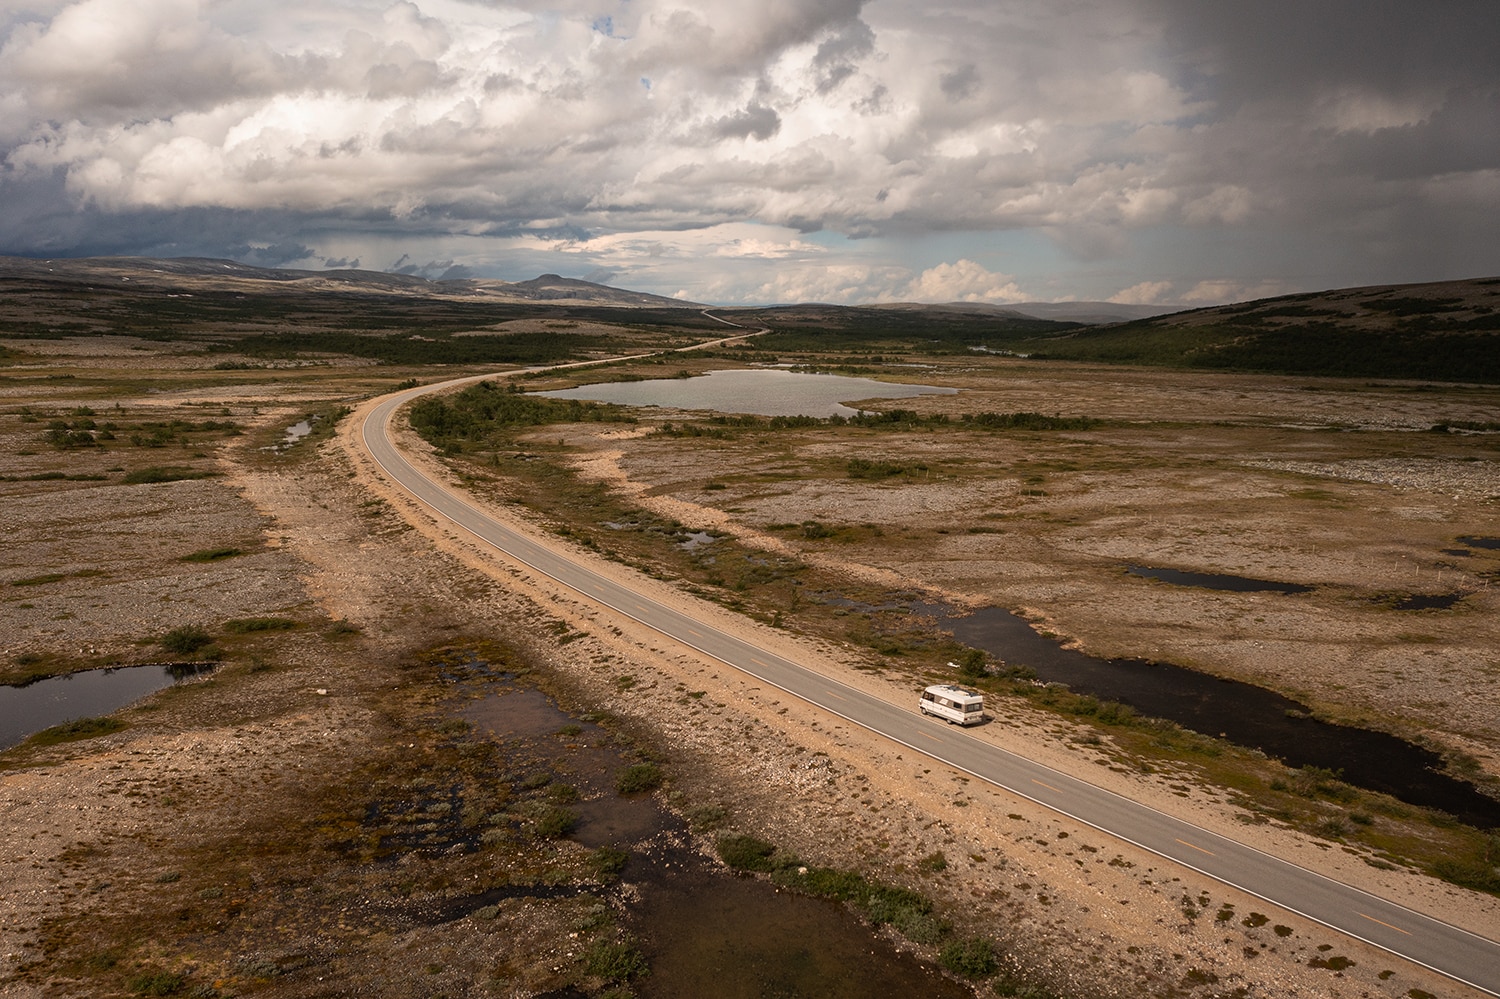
(753,151)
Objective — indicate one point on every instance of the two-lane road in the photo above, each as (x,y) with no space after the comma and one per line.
(1457,953)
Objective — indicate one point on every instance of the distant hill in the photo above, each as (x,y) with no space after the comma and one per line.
(1445,330)
(188,274)
(552,288)
(1088,313)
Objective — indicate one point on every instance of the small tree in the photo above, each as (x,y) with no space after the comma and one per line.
(973,663)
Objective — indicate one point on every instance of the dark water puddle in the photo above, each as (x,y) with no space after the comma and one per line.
(705,933)
(31,707)
(607,822)
(1489,544)
(736,938)
(519,714)
(1215,581)
(450,909)
(1429,601)
(1244,714)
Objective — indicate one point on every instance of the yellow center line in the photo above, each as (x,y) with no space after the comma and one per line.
(1047,786)
(1198,848)
(930,736)
(1382,922)
(758,662)
(831,694)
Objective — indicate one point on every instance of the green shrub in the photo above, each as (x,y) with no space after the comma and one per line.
(971,957)
(609,861)
(185,640)
(972,663)
(638,778)
(614,962)
(746,853)
(554,822)
(702,818)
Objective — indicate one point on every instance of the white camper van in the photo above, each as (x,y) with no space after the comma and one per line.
(954,704)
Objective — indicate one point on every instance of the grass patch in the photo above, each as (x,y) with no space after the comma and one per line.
(73,731)
(165,473)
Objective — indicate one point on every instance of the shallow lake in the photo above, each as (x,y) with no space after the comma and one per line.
(756,391)
(35,706)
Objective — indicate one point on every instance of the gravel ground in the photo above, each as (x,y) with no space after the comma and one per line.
(92,832)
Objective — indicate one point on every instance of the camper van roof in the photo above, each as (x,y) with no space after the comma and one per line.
(953,690)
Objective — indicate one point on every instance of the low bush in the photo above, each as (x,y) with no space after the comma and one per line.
(555,822)
(638,778)
(614,962)
(746,853)
(971,957)
(185,640)
(609,861)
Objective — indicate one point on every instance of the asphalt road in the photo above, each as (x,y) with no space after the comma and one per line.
(1457,953)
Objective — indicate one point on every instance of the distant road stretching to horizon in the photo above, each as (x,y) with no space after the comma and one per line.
(1457,953)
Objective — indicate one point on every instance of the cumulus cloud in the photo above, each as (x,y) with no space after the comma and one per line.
(1144,293)
(963,281)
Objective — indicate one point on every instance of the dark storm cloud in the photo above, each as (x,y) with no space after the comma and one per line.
(1290,50)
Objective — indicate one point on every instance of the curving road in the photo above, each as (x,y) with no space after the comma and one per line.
(1449,950)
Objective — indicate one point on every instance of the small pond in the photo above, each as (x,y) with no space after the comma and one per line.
(28,709)
(1215,580)
(757,391)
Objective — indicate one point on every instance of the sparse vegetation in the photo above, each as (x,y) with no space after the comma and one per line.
(185,640)
(639,778)
(82,728)
(165,473)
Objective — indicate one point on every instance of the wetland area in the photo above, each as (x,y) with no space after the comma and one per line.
(415,770)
